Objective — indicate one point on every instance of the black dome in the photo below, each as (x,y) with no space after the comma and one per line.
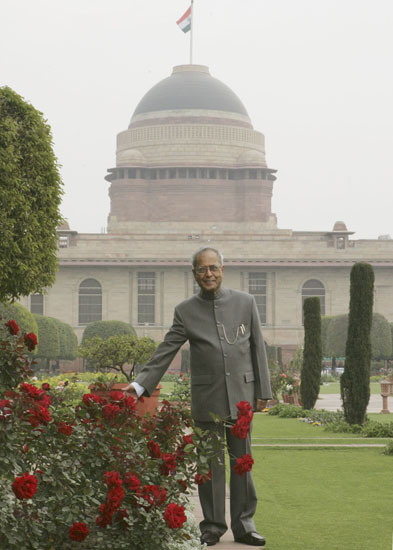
(190,87)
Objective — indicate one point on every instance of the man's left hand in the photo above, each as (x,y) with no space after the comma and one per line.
(261,404)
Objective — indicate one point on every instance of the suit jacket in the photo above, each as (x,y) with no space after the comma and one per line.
(227,354)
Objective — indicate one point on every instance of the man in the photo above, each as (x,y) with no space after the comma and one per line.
(228,364)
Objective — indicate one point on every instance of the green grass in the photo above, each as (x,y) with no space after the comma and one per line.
(322,498)
(334,387)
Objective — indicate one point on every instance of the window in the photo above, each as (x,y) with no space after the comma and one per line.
(63,241)
(146,297)
(131,173)
(37,304)
(313,287)
(257,287)
(90,301)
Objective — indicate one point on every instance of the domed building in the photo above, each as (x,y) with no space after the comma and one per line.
(191,171)
(190,156)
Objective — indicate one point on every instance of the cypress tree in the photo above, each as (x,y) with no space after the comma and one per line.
(312,353)
(355,380)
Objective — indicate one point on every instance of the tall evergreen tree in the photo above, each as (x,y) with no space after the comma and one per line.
(30,193)
(310,378)
(355,380)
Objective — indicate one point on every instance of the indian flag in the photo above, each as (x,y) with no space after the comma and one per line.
(185,21)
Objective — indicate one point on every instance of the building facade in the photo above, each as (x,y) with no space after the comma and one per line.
(191,171)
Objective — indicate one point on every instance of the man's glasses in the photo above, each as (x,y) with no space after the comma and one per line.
(203,269)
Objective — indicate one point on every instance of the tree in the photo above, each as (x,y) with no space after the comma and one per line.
(106,329)
(312,353)
(30,194)
(355,380)
(381,338)
(48,348)
(118,351)
(21,315)
(325,322)
(68,341)
(337,336)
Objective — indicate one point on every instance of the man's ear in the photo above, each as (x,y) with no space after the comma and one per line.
(222,269)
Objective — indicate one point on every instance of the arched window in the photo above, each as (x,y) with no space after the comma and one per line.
(313,287)
(90,301)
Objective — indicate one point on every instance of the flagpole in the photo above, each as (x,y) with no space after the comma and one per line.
(192,28)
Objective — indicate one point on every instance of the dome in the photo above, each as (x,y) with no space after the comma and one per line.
(190,87)
(252,157)
(340,226)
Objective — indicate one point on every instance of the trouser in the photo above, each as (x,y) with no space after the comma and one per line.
(243,498)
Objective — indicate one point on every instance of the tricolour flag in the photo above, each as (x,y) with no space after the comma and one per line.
(185,21)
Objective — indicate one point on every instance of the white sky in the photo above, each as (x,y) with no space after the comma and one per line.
(316,77)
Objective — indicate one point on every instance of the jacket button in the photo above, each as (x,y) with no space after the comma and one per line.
(227,374)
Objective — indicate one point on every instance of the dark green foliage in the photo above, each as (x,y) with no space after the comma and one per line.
(337,331)
(106,329)
(324,335)
(355,380)
(68,341)
(21,315)
(336,336)
(30,193)
(279,357)
(381,338)
(312,353)
(48,339)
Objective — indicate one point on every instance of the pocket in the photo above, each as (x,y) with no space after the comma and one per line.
(249,377)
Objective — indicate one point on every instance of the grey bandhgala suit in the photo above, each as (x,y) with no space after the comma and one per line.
(227,365)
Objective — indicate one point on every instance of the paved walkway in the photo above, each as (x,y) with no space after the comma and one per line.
(332,402)
(226,541)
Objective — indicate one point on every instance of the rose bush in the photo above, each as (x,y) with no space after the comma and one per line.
(94,474)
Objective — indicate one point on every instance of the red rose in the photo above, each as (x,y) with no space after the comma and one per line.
(116,396)
(154,449)
(168,463)
(241,428)
(45,386)
(31,391)
(200,479)
(243,464)
(91,398)
(110,411)
(115,497)
(30,340)
(112,479)
(154,495)
(12,327)
(129,403)
(64,428)
(25,486)
(79,531)
(132,482)
(244,409)
(174,515)
(39,415)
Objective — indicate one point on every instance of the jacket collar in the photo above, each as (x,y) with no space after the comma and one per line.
(209,296)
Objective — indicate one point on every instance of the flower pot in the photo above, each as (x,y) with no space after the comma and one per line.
(144,405)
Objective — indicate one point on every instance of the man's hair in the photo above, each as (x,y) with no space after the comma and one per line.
(205,249)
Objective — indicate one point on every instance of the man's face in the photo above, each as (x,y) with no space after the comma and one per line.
(208,271)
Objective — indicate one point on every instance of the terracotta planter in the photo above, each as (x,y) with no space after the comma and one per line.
(143,406)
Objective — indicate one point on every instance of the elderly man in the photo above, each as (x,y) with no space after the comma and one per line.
(228,365)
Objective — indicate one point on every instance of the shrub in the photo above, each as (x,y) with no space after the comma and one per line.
(388,449)
(106,329)
(377,429)
(312,353)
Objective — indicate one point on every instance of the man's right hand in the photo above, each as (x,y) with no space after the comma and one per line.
(131,391)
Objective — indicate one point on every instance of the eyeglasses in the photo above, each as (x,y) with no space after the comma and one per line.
(203,269)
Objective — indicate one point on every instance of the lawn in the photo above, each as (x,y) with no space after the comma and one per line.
(334,387)
(320,498)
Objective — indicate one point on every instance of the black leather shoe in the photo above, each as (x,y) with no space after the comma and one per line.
(253,539)
(209,538)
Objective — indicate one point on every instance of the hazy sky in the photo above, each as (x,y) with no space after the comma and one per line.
(315,76)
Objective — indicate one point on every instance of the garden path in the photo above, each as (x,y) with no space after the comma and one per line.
(226,541)
(332,402)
